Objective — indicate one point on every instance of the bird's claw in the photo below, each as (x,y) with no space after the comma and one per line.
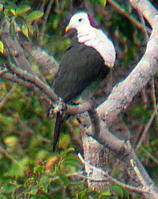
(57,107)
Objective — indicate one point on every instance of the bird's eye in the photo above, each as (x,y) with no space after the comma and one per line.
(80,20)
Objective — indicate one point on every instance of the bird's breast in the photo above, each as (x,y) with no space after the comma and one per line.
(101,43)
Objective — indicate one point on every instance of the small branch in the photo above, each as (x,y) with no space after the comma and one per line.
(143,26)
(6,98)
(154,100)
(146,129)
(34,80)
(107,178)
(48,63)
(46,18)
(147,10)
(6,154)
(155,160)
(80,108)
(130,18)
(122,94)
(10,77)
(14,48)
(3,71)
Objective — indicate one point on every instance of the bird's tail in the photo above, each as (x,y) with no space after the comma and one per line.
(58,125)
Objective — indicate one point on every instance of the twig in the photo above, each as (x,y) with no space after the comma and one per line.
(130,18)
(7,97)
(41,57)
(32,78)
(109,178)
(46,18)
(147,9)
(11,77)
(68,175)
(155,160)
(143,26)
(14,48)
(153,97)
(146,187)
(3,71)
(6,154)
(146,129)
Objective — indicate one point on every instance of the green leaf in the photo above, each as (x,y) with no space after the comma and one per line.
(1,7)
(7,122)
(1,47)
(30,29)
(44,183)
(105,194)
(22,9)
(12,29)
(11,141)
(64,141)
(38,169)
(35,15)
(34,191)
(13,12)
(72,161)
(3,197)
(25,30)
(117,190)
(102,2)
(67,151)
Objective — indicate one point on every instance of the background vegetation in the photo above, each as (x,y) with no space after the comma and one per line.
(28,169)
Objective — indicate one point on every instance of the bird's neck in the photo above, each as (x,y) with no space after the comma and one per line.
(85,34)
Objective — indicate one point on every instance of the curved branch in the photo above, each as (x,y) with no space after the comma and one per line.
(122,94)
(32,78)
(124,13)
(119,99)
(147,10)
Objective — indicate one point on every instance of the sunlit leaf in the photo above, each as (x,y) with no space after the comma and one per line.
(11,141)
(13,12)
(117,190)
(34,191)
(35,15)
(12,29)
(105,194)
(22,9)
(67,151)
(102,2)
(25,30)
(1,47)
(72,161)
(1,7)
(64,141)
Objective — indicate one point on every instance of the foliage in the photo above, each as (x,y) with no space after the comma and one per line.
(28,168)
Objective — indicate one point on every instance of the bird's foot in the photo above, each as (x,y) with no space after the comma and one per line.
(58,107)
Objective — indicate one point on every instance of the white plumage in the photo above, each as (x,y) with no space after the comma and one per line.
(93,37)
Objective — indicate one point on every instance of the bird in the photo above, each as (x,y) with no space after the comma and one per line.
(90,57)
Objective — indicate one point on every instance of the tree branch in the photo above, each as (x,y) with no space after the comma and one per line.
(119,99)
(122,94)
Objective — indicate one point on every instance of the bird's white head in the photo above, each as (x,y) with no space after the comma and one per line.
(78,21)
(92,37)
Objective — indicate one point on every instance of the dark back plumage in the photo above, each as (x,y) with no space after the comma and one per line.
(80,66)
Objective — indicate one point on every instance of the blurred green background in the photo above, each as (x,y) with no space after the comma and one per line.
(28,169)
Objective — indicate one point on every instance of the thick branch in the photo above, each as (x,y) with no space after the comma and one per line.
(48,63)
(147,10)
(122,94)
(123,12)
